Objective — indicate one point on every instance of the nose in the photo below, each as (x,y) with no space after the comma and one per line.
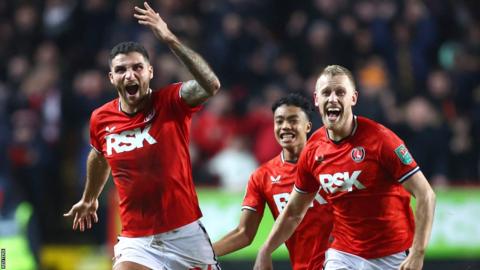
(332,97)
(285,125)
(129,74)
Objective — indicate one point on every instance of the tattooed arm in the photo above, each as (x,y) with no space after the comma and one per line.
(206,83)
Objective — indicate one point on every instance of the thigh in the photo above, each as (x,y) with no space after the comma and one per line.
(135,253)
(337,260)
(188,248)
(391,262)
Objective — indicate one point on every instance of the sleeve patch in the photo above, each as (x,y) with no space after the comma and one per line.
(403,154)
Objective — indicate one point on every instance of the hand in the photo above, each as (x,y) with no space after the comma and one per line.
(83,213)
(414,261)
(152,19)
(263,261)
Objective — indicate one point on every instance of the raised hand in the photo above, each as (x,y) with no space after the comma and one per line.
(152,19)
(83,213)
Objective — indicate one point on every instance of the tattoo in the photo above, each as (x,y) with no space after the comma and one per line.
(193,93)
(206,82)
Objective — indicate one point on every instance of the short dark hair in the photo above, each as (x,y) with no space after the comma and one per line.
(297,100)
(127,47)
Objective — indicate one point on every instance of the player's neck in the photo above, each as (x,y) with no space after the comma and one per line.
(343,131)
(291,155)
(133,109)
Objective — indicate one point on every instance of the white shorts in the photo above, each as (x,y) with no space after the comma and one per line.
(187,247)
(339,260)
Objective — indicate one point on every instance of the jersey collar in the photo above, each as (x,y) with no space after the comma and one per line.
(149,92)
(282,158)
(355,126)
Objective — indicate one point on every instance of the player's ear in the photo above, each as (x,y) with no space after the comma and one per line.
(150,69)
(354,97)
(309,126)
(315,98)
(110,77)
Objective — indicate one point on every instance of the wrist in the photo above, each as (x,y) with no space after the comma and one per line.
(88,199)
(172,41)
(417,251)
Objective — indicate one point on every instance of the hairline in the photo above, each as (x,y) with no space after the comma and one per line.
(293,105)
(352,83)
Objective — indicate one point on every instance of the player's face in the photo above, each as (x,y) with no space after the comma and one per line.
(131,74)
(291,126)
(334,97)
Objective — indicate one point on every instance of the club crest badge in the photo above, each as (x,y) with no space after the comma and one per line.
(150,116)
(358,154)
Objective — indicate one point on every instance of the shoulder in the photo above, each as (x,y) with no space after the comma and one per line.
(373,128)
(106,109)
(266,168)
(167,91)
(318,137)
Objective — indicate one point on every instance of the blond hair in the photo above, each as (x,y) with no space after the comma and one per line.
(334,70)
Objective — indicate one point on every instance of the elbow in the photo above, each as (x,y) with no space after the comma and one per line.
(247,236)
(428,198)
(433,197)
(430,195)
(215,86)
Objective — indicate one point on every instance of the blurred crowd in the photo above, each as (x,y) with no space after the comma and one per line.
(416,63)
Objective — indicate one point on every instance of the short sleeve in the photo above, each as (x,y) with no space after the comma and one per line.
(174,95)
(253,199)
(306,181)
(395,157)
(94,142)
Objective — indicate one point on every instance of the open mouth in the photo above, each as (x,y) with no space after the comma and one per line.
(132,89)
(333,113)
(287,137)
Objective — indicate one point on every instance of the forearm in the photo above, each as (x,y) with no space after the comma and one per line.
(97,175)
(282,229)
(199,68)
(425,208)
(233,241)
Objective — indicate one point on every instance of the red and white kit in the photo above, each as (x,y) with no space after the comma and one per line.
(361,176)
(150,162)
(272,183)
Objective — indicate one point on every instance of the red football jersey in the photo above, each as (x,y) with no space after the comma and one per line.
(361,176)
(272,183)
(150,162)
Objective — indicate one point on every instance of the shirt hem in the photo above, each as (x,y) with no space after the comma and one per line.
(154,232)
(370,256)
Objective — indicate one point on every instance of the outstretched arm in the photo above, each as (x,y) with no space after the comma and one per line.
(86,209)
(206,83)
(419,187)
(241,236)
(283,227)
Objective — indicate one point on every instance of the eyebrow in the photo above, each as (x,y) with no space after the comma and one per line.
(288,117)
(124,65)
